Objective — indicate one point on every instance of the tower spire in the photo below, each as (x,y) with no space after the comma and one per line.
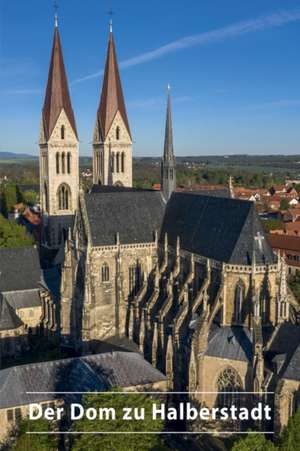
(168,165)
(57,96)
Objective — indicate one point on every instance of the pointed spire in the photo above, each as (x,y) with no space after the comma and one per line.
(57,96)
(112,99)
(168,148)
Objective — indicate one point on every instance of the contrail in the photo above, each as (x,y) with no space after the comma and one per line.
(221,34)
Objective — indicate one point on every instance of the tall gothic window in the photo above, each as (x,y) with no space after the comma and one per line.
(118,133)
(123,162)
(135,277)
(57,163)
(63,163)
(69,162)
(229,384)
(64,197)
(118,162)
(238,301)
(112,162)
(105,273)
(62,132)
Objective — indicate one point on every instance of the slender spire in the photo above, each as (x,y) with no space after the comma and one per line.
(168,164)
(168,148)
(112,99)
(57,96)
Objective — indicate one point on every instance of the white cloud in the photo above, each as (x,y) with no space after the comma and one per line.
(232,31)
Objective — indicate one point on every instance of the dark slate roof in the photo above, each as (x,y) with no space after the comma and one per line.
(8,318)
(89,373)
(219,228)
(218,192)
(19,269)
(292,370)
(234,343)
(282,343)
(23,299)
(134,214)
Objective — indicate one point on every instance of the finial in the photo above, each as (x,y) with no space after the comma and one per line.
(110,13)
(110,26)
(55,6)
(169,87)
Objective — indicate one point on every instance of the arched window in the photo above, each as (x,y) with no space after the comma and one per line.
(62,132)
(238,301)
(229,384)
(69,162)
(64,197)
(118,133)
(112,162)
(63,163)
(57,163)
(123,162)
(105,273)
(118,162)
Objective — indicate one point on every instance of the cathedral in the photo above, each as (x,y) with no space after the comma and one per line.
(189,278)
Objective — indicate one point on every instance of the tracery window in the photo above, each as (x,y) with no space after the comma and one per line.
(238,301)
(134,278)
(64,197)
(105,273)
(229,384)
(118,162)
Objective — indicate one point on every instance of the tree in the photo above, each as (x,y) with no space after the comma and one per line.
(29,197)
(119,442)
(290,437)
(284,204)
(272,224)
(254,442)
(13,235)
(34,442)
(8,198)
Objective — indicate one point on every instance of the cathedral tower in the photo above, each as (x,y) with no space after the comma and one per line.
(59,147)
(112,143)
(168,164)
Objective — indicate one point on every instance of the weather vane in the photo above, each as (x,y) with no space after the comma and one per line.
(55,7)
(111,14)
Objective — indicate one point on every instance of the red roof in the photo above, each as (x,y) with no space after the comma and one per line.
(57,93)
(112,99)
(285,242)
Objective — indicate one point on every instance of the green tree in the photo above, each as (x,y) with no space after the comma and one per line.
(29,197)
(13,235)
(9,197)
(272,224)
(284,204)
(119,442)
(290,437)
(34,442)
(254,442)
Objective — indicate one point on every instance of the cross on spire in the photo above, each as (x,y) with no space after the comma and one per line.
(110,13)
(259,238)
(55,6)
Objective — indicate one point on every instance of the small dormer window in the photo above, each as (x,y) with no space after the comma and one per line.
(62,132)
(118,133)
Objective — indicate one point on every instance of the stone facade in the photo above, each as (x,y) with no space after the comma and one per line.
(112,158)
(59,175)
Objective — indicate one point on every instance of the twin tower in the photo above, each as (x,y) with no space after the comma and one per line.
(112,143)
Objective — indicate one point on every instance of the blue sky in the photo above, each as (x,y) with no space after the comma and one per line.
(233,65)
